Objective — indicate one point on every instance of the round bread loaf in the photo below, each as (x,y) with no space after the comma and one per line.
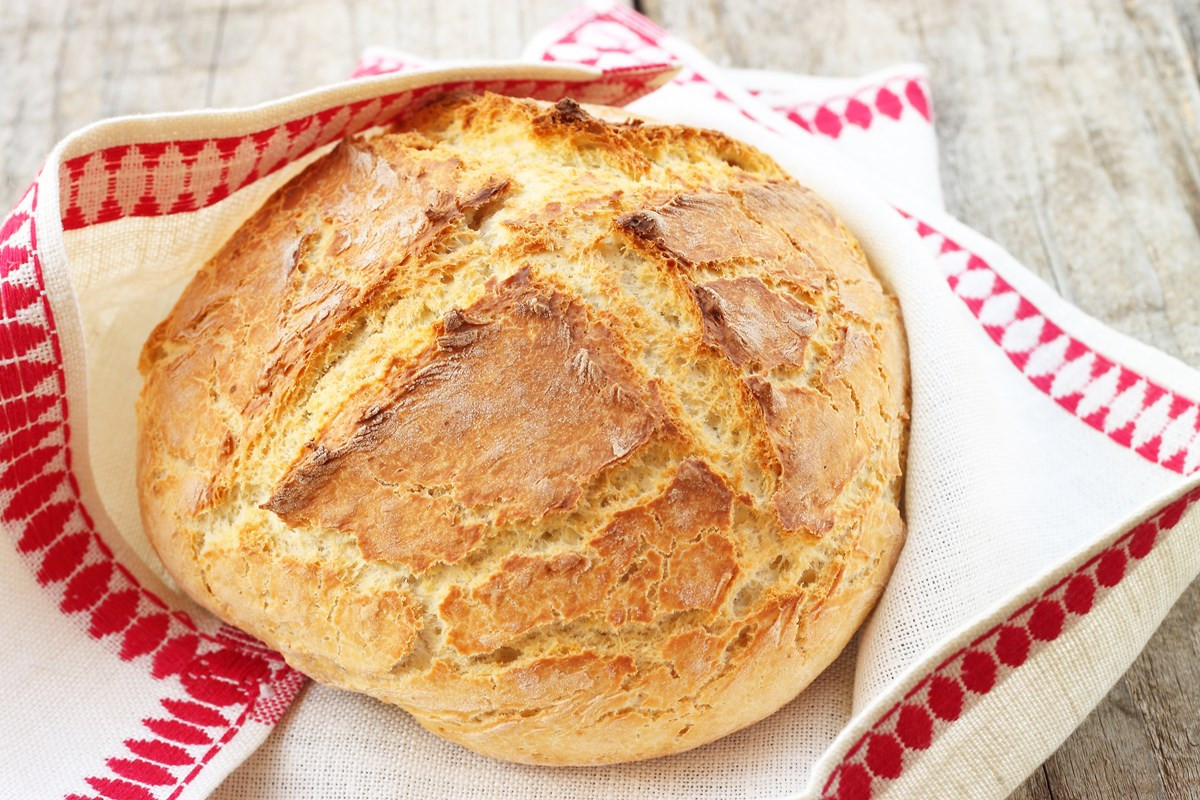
(579,440)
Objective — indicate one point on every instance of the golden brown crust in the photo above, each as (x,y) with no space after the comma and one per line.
(619,575)
(752,325)
(535,399)
(580,438)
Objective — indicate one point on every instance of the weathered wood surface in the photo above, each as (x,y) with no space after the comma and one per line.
(1070,132)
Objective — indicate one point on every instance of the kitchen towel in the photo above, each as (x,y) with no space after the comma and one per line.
(1050,479)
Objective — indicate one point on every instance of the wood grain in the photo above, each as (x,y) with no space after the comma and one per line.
(1069,130)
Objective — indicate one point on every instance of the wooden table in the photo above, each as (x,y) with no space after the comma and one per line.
(1070,132)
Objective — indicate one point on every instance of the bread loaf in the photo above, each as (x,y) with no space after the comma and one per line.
(579,440)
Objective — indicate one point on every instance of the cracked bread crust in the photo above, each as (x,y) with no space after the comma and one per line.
(579,439)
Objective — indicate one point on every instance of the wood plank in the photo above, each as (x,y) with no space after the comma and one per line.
(1110,755)
(1164,685)
(1083,159)
(1036,788)
(317,41)
(1188,12)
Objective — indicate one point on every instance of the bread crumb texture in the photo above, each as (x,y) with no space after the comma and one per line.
(579,439)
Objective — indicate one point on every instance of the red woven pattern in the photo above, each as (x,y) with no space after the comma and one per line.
(911,726)
(381,64)
(620,37)
(614,38)
(1160,425)
(894,98)
(213,683)
(150,179)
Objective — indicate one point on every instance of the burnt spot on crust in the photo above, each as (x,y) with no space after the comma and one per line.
(752,325)
(618,144)
(520,401)
(459,330)
(617,575)
(568,111)
(646,225)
